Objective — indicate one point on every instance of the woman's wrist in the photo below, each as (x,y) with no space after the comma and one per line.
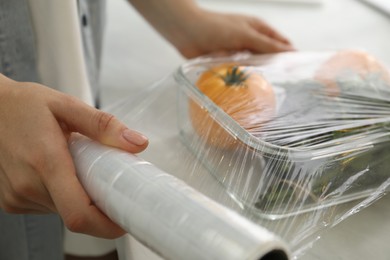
(169,17)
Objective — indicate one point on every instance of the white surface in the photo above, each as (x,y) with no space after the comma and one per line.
(78,244)
(136,56)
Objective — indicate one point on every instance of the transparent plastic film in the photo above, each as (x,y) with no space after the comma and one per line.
(164,213)
(294,142)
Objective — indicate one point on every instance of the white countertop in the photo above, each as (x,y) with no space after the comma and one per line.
(135,56)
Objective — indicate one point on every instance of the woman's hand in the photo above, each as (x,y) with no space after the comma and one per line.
(195,31)
(217,32)
(37,174)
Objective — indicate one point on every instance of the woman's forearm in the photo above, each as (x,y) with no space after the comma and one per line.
(196,31)
(166,15)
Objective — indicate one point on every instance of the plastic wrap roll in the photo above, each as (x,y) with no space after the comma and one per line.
(163,212)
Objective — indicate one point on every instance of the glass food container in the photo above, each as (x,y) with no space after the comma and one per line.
(324,143)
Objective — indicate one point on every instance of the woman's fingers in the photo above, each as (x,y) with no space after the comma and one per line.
(98,125)
(263,28)
(260,43)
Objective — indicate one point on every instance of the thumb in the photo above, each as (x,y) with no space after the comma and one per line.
(77,116)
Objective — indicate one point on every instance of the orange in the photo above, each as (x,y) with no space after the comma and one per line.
(343,64)
(241,93)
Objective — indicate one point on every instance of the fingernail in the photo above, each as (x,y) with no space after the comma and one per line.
(134,137)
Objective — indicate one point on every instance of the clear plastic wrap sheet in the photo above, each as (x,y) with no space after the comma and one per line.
(296,142)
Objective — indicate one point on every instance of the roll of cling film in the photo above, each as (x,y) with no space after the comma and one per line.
(164,213)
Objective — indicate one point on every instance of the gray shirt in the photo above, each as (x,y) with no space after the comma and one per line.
(17,43)
(17,40)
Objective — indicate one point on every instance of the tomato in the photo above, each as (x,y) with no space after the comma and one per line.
(241,93)
(346,63)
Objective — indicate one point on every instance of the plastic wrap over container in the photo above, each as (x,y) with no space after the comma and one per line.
(296,142)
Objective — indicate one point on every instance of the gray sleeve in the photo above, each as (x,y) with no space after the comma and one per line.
(31,237)
(17,42)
